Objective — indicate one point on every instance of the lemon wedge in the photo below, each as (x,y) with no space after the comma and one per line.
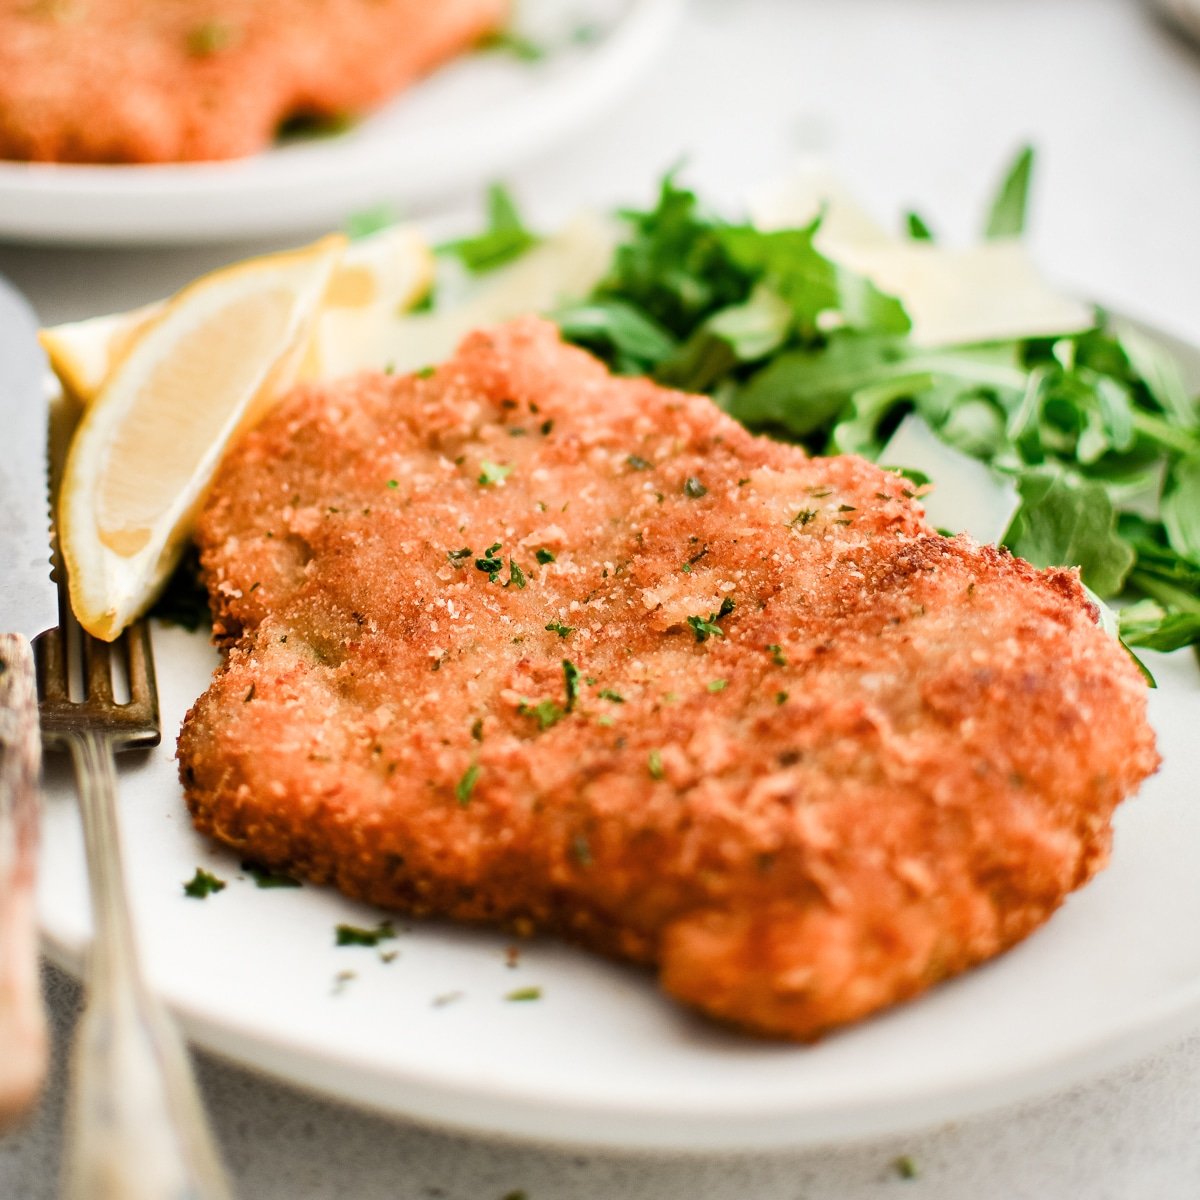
(377,278)
(83,353)
(194,374)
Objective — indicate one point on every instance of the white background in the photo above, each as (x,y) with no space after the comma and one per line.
(918,102)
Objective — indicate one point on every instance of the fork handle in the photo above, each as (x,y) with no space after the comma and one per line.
(22,1018)
(136,1128)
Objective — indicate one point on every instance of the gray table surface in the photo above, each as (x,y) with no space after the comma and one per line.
(916,102)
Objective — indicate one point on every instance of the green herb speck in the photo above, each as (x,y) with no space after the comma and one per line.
(355,935)
(655,764)
(203,884)
(466,785)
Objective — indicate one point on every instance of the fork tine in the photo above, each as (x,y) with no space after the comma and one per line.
(51,666)
(97,663)
(143,690)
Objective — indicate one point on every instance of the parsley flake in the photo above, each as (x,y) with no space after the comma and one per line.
(489,563)
(781,697)
(457,556)
(490,473)
(654,764)
(355,935)
(211,38)
(571,678)
(393,483)
(516,576)
(521,995)
(546,712)
(704,628)
(638,463)
(718,685)
(609,694)
(693,489)
(802,518)
(264,877)
(777,655)
(466,785)
(559,628)
(544,556)
(906,1167)
(203,884)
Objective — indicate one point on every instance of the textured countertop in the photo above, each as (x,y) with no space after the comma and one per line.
(917,102)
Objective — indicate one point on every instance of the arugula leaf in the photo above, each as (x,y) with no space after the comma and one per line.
(1148,625)
(1181,509)
(1006,216)
(629,339)
(1067,521)
(505,238)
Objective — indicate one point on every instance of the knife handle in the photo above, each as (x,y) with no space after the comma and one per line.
(22,1017)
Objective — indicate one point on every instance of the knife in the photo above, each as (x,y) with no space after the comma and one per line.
(28,606)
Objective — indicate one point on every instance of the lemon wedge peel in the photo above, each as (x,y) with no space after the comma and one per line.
(194,375)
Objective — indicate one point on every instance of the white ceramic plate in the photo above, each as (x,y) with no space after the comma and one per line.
(602,1058)
(477,117)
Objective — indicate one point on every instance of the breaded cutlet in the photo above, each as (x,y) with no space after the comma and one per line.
(527,644)
(126,81)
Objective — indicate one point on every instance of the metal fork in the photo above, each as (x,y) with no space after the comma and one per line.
(136,1129)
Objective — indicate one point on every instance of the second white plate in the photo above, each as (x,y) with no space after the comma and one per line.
(474,119)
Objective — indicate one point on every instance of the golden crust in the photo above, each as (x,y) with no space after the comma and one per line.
(899,756)
(131,81)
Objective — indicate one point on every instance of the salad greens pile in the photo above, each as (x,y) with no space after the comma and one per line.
(1094,429)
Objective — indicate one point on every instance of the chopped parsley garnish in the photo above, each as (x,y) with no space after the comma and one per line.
(516,577)
(718,685)
(544,556)
(571,679)
(686,568)
(781,697)
(802,518)
(393,483)
(466,785)
(202,884)
(546,712)
(777,655)
(489,563)
(456,556)
(706,627)
(491,473)
(425,373)
(693,489)
(520,995)
(609,694)
(355,935)
(638,463)
(264,877)
(211,38)
(906,1167)
(654,764)
(559,628)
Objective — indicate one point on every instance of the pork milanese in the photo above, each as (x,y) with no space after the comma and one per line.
(524,643)
(141,81)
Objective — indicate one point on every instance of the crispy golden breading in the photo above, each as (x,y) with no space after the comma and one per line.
(891,758)
(140,81)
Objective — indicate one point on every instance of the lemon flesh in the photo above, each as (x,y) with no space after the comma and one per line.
(196,373)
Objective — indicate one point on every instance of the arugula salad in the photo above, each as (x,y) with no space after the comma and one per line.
(1088,427)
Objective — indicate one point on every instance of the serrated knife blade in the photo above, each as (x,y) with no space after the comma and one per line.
(28,597)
